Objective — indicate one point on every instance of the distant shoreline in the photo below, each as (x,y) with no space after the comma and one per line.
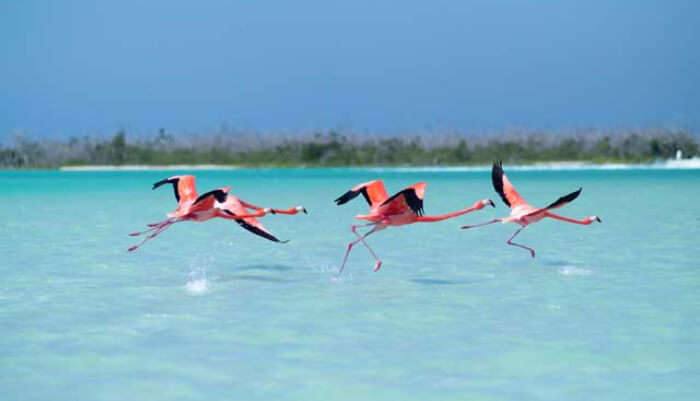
(332,149)
(687,164)
(141,167)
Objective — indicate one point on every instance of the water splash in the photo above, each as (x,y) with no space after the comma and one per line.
(197,283)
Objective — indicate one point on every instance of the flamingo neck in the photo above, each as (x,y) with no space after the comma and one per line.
(291,210)
(428,219)
(584,222)
(224,215)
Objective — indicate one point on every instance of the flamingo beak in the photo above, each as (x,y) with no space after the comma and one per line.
(491,203)
(598,219)
(304,210)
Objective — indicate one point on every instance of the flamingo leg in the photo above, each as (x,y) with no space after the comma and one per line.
(153,226)
(159,229)
(481,224)
(509,242)
(361,238)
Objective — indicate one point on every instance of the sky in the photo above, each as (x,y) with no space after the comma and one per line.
(75,68)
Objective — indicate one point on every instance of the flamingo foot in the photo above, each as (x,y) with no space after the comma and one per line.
(132,248)
(134,234)
(378,266)
(532,252)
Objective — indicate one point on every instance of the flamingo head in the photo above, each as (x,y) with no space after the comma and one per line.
(268,210)
(595,218)
(301,209)
(487,202)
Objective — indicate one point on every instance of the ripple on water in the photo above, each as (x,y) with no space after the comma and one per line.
(573,271)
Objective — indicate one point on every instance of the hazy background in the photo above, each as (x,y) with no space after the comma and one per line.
(81,67)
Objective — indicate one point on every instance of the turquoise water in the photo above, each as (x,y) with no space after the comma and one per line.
(209,311)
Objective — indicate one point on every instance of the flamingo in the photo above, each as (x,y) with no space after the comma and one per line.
(405,207)
(521,212)
(217,203)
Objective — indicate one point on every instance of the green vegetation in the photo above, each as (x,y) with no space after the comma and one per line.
(334,149)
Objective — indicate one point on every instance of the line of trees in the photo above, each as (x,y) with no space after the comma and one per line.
(335,149)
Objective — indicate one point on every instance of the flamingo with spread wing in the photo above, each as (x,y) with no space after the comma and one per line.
(405,207)
(217,203)
(521,212)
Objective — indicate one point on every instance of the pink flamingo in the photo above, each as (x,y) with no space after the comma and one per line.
(521,212)
(405,207)
(236,209)
(217,203)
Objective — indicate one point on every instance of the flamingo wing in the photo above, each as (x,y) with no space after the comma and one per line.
(373,192)
(565,199)
(218,194)
(557,203)
(410,198)
(504,188)
(209,199)
(233,207)
(183,186)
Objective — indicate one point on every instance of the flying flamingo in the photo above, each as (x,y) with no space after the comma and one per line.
(216,203)
(521,212)
(405,207)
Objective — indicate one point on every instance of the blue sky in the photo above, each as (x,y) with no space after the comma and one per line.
(72,68)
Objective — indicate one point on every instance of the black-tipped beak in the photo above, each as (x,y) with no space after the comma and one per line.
(598,219)
(304,210)
(491,203)
(273,211)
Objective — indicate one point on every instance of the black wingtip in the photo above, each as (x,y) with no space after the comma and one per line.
(565,199)
(171,180)
(346,197)
(159,183)
(497,180)
(218,194)
(412,200)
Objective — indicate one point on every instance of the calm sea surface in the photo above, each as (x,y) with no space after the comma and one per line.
(208,311)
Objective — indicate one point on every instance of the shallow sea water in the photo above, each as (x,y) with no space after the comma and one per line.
(608,311)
